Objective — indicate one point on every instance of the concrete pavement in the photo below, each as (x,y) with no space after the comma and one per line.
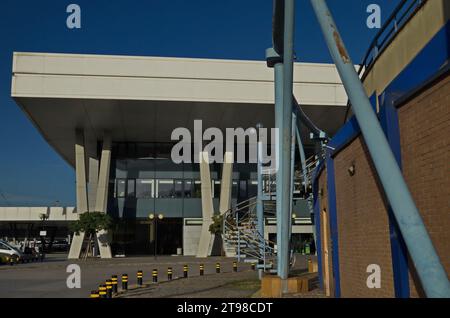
(48,279)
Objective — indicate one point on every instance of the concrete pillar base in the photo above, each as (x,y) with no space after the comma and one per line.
(76,246)
(313,267)
(274,287)
(103,240)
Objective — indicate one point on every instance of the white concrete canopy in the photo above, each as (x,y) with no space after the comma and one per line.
(33,214)
(135,98)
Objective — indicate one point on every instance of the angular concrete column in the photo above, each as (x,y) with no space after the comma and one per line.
(101,201)
(92,182)
(225,195)
(226,183)
(206,238)
(93,165)
(81,192)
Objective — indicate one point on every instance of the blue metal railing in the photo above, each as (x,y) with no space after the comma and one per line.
(404,11)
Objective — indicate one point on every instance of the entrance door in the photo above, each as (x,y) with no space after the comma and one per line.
(148,237)
(326,258)
(166,236)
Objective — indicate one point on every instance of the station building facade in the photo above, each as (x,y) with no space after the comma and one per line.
(112,118)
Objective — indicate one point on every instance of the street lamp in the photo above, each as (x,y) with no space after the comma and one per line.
(43,217)
(155,219)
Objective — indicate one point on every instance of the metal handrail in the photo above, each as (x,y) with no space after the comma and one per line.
(244,228)
(396,20)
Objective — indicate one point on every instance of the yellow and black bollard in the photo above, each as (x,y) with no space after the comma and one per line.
(169,273)
(102,291)
(217,268)
(235,267)
(155,275)
(124,282)
(185,271)
(202,269)
(94,294)
(253,266)
(114,283)
(140,275)
(11,261)
(108,288)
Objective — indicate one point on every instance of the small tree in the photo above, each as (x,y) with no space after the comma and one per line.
(91,223)
(217,226)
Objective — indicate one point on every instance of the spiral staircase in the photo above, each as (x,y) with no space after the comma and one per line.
(241,237)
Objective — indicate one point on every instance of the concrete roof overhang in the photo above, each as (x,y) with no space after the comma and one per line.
(143,99)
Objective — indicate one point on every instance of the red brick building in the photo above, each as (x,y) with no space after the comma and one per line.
(407,79)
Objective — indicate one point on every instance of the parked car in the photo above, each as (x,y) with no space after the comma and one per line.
(7,259)
(28,255)
(10,252)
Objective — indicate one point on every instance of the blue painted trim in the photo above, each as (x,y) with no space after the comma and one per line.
(344,136)
(318,228)
(333,225)
(373,101)
(399,253)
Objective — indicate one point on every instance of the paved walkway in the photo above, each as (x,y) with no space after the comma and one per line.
(227,284)
(224,285)
(48,279)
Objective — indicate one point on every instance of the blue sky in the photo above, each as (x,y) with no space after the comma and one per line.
(31,173)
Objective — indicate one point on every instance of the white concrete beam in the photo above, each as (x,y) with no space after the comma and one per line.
(206,238)
(101,201)
(150,78)
(225,194)
(81,192)
(226,183)
(93,182)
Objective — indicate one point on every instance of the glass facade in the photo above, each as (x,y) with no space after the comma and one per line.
(144,180)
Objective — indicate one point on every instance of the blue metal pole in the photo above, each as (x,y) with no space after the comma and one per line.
(238,236)
(279,177)
(276,61)
(294,124)
(426,261)
(301,151)
(259,198)
(284,169)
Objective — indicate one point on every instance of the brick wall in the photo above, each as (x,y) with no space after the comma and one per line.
(424,124)
(362,224)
